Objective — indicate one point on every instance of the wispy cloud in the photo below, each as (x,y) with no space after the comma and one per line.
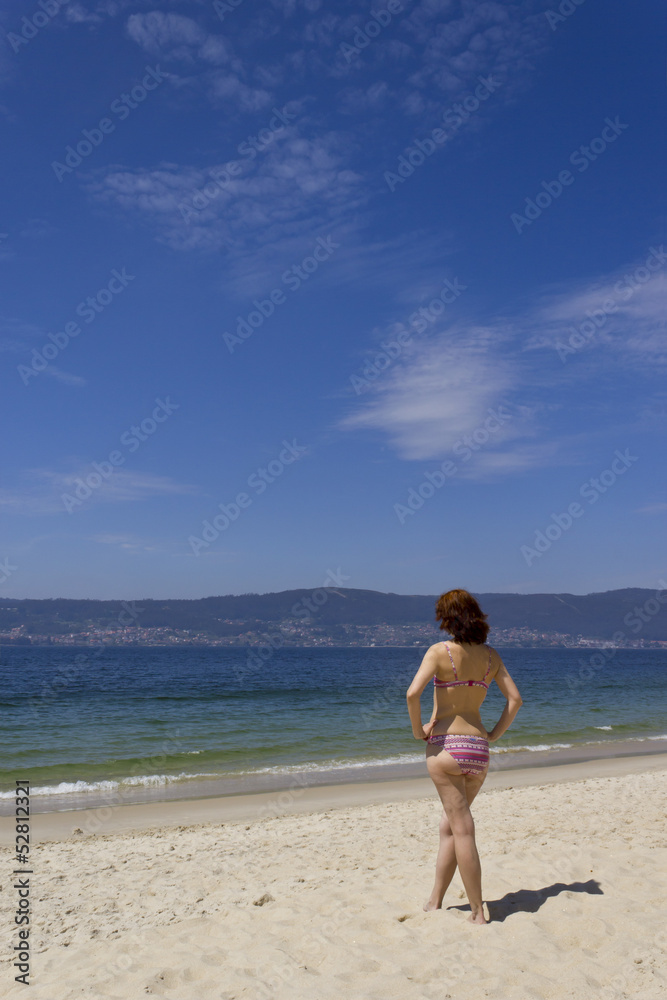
(67,378)
(440,390)
(15,338)
(41,490)
(172,36)
(264,217)
(498,38)
(653,508)
(445,384)
(37,229)
(132,543)
(76,13)
(618,313)
(15,334)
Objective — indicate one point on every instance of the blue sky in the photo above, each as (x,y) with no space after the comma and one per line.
(380,289)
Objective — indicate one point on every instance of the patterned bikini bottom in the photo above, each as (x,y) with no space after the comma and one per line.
(471,753)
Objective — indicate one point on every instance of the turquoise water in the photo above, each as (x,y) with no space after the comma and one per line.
(154,716)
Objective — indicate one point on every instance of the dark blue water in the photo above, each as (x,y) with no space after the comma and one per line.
(75,719)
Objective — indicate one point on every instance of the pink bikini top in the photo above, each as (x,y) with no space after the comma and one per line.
(457,683)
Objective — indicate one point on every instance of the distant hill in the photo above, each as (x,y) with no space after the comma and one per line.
(597,615)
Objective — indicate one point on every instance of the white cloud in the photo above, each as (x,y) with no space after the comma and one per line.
(439,391)
(130,542)
(265,218)
(487,38)
(228,87)
(631,329)
(76,13)
(170,36)
(42,490)
(444,384)
(66,377)
(37,229)
(15,332)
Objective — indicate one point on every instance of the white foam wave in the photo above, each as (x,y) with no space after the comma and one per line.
(335,765)
(143,780)
(534,746)
(603,727)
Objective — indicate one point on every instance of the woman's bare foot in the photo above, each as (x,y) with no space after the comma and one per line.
(431,905)
(478,917)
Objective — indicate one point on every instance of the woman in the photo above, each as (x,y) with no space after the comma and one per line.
(457,752)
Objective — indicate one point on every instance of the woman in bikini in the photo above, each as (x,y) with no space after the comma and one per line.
(457,751)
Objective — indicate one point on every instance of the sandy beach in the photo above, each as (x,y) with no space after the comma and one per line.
(318,893)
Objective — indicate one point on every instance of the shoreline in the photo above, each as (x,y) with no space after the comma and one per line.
(284,779)
(80,824)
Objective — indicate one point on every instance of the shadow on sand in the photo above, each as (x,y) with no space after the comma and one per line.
(530,900)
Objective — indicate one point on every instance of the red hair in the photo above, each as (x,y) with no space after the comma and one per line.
(459,614)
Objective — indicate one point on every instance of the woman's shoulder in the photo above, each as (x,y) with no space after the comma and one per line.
(495,660)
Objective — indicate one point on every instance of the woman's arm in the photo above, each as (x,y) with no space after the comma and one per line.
(514,701)
(428,728)
(425,674)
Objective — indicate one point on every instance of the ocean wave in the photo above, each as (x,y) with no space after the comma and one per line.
(535,746)
(603,727)
(141,780)
(334,765)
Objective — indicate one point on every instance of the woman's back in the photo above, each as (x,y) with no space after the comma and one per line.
(462,677)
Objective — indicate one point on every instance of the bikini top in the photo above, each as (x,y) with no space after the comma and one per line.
(457,683)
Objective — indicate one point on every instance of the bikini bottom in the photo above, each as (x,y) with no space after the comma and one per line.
(471,753)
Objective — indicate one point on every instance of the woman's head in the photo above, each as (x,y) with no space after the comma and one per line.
(459,614)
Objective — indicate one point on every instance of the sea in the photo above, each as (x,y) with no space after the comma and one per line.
(117,724)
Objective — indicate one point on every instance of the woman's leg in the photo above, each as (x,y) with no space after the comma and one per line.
(445,864)
(451,786)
